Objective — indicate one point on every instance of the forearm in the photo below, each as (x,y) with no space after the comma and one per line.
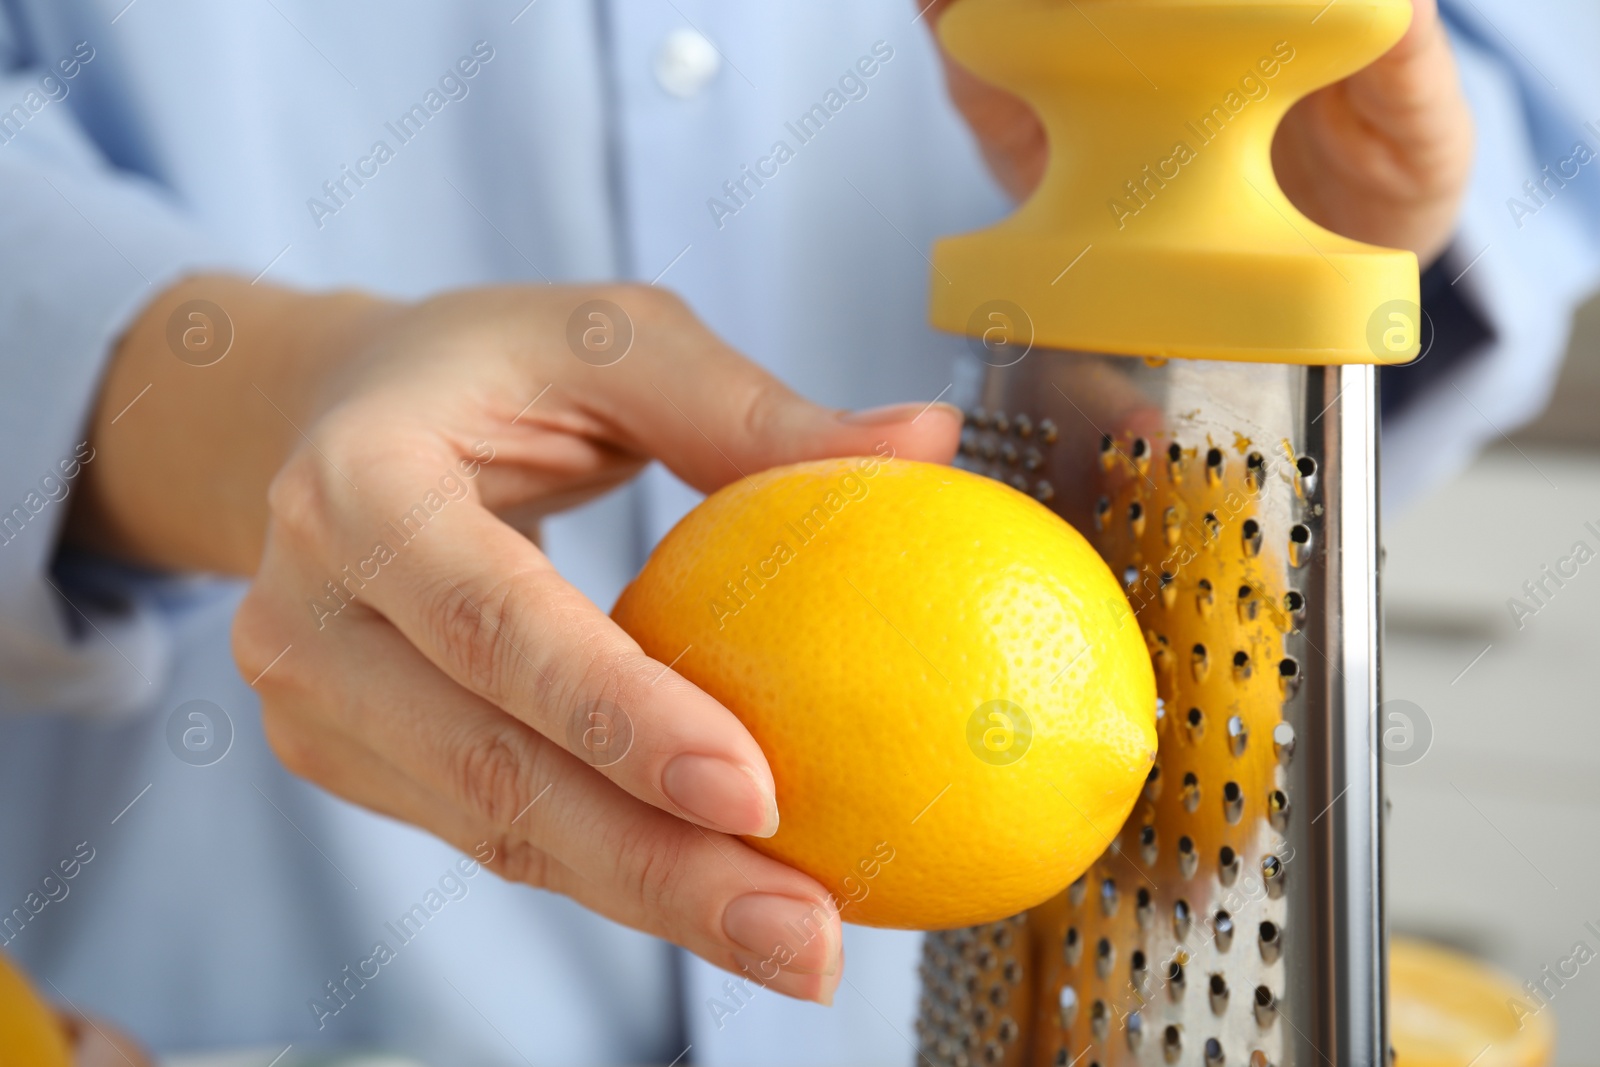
(184,452)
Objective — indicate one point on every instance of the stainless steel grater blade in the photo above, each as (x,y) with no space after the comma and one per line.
(1237,917)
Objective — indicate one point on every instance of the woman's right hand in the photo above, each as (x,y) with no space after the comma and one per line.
(379,468)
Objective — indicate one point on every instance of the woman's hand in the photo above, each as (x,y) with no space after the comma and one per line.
(414,650)
(1382,156)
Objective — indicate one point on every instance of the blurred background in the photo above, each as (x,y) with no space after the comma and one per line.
(1492,844)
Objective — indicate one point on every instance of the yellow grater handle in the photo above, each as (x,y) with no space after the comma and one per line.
(1158,228)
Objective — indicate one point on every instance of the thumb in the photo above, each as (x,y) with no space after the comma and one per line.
(712,416)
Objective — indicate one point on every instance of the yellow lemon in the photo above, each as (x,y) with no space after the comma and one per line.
(956,702)
(1446,1010)
(30,1033)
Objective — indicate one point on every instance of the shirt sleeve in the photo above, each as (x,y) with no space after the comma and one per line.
(83,247)
(1526,253)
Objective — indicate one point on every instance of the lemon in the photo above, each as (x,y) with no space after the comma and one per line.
(30,1034)
(956,703)
(1446,1010)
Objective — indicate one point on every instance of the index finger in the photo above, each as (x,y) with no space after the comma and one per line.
(486,607)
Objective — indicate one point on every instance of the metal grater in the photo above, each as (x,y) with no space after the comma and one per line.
(1236,918)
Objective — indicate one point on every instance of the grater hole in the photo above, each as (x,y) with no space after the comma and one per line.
(1187,859)
(1171,1043)
(1007,1030)
(1306,466)
(1214,458)
(1175,452)
(1241,665)
(1099,1019)
(1300,533)
(1250,530)
(1266,1006)
(1108,897)
(1102,508)
(1255,470)
(1141,448)
(1219,994)
(1191,797)
(1194,723)
(1106,444)
(1232,801)
(1072,947)
(1105,956)
(1222,928)
(1001,423)
(1069,1006)
(1228,865)
(1078,890)
(1272,873)
(1271,941)
(1278,810)
(1135,1027)
(1294,602)
(1213,1052)
(1283,741)
(1181,917)
(1137,961)
(1238,735)
(1289,675)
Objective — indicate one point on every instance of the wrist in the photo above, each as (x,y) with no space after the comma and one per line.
(203,400)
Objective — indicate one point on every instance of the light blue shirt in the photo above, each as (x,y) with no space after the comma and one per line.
(408,147)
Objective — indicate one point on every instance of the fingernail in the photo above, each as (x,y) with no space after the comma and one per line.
(792,934)
(721,794)
(888,413)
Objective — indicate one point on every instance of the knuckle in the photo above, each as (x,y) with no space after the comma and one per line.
(289,742)
(252,635)
(608,684)
(521,861)
(478,633)
(298,501)
(492,774)
(765,405)
(650,864)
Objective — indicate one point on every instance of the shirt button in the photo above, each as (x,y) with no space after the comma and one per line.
(686,62)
